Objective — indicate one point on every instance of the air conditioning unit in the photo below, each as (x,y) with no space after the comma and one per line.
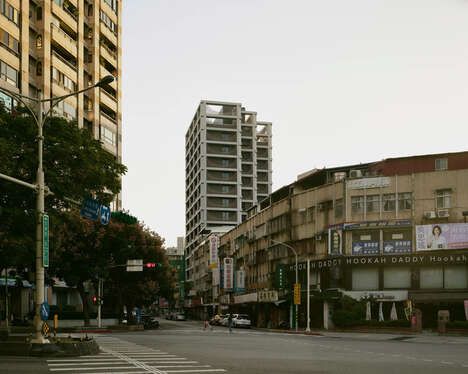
(443,213)
(318,237)
(321,207)
(430,215)
(355,173)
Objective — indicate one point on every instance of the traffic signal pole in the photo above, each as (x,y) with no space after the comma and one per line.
(100,292)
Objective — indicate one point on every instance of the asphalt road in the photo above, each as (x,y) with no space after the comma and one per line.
(184,347)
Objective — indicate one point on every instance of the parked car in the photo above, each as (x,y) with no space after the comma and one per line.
(149,322)
(180,317)
(224,320)
(241,320)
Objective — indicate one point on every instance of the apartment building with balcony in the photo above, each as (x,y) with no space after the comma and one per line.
(52,48)
(391,231)
(228,170)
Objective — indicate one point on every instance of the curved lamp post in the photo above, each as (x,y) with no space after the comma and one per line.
(40,117)
(297,277)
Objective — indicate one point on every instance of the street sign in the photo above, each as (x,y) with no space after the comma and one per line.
(45,240)
(45,329)
(297,294)
(44,311)
(135,265)
(105,214)
(90,209)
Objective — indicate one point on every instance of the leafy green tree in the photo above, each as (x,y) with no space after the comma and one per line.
(75,166)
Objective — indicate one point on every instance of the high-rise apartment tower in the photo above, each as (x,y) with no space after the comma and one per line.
(55,47)
(227,167)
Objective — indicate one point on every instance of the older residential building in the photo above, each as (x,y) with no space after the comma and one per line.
(175,256)
(56,47)
(228,170)
(392,231)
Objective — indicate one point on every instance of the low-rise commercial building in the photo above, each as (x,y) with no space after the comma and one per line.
(392,231)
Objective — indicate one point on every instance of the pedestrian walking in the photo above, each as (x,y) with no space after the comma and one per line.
(230,323)
(205,325)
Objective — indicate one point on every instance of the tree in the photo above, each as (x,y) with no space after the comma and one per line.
(75,166)
(85,250)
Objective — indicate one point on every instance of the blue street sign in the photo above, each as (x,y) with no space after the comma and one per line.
(105,214)
(90,209)
(45,311)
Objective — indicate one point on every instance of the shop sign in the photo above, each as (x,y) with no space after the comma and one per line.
(465,303)
(335,240)
(267,296)
(377,224)
(363,183)
(215,276)
(228,273)
(240,280)
(378,295)
(441,236)
(396,246)
(214,243)
(247,298)
(389,260)
(366,248)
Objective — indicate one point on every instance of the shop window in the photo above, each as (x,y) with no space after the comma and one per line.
(455,277)
(405,201)
(397,278)
(443,198)
(431,277)
(365,279)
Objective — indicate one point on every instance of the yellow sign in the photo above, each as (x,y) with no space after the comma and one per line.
(45,329)
(297,293)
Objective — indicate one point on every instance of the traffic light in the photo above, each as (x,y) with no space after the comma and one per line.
(153,265)
(95,299)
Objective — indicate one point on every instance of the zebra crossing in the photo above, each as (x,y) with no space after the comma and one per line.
(122,357)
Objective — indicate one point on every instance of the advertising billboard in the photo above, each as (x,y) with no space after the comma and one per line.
(214,242)
(370,247)
(228,276)
(240,280)
(335,241)
(441,236)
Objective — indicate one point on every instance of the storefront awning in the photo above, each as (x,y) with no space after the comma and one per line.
(435,297)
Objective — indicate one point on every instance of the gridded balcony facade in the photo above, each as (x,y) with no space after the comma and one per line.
(223,171)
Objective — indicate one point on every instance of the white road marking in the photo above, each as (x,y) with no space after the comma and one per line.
(92,368)
(447,362)
(196,371)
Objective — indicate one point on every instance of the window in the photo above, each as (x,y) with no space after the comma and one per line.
(108,22)
(455,277)
(310,214)
(8,74)
(113,4)
(339,208)
(431,277)
(373,203)
(62,80)
(6,101)
(226,189)
(225,163)
(9,42)
(108,136)
(441,164)
(225,149)
(365,279)
(388,201)
(226,203)
(9,11)
(443,199)
(397,277)
(404,201)
(357,204)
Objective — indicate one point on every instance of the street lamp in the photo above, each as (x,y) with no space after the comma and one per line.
(40,118)
(297,277)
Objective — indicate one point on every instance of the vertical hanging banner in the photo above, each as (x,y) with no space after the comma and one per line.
(240,280)
(214,243)
(228,274)
(216,276)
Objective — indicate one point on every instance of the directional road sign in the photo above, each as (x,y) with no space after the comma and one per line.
(105,214)
(45,311)
(45,240)
(90,209)
(135,265)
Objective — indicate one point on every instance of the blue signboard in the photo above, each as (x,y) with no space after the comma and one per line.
(105,214)
(90,209)
(45,311)
(366,248)
(396,246)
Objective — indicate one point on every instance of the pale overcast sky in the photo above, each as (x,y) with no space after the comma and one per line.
(342,81)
